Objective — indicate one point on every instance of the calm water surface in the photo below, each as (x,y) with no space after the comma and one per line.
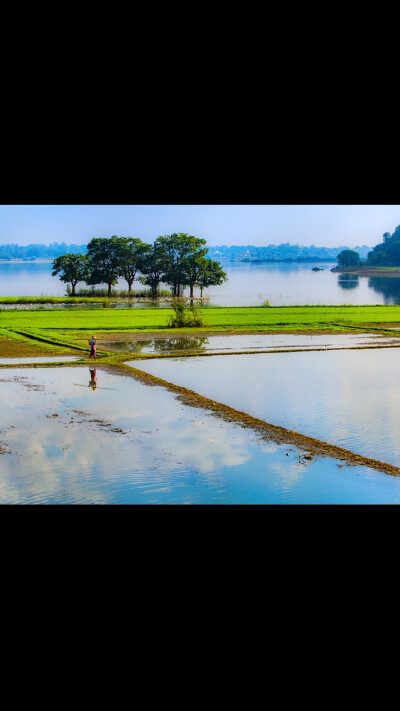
(63,442)
(347,398)
(42,359)
(249,284)
(248,342)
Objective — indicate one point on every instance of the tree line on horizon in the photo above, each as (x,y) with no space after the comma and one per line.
(178,260)
(248,253)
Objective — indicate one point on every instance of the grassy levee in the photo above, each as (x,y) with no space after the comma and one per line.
(73,327)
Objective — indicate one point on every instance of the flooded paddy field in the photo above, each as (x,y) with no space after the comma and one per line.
(228,343)
(40,359)
(79,435)
(349,398)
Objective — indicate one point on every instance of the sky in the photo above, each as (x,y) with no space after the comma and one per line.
(258,225)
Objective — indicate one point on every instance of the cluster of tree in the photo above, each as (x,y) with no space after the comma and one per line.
(178,260)
(283,253)
(30,252)
(387,253)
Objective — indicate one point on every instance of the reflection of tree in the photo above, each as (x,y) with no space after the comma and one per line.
(160,345)
(128,346)
(388,286)
(348,281)
(188,343)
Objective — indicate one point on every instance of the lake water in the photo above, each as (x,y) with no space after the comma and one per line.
(248,285)
(61,442)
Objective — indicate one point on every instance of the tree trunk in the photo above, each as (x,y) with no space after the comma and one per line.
(73,284)
(129,285)
(109,290)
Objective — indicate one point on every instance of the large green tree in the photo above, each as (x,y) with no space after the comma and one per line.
(131,251)
(104,261)
(71,268)
(211,275)
(181,253)
(153,268)
(348,258)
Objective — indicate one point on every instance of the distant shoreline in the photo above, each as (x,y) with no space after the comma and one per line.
(287,260)
(368,271)
(25,261)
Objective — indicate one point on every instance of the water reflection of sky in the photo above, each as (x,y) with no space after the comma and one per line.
(248,342)
(347,398)
(61,442)
(40,359)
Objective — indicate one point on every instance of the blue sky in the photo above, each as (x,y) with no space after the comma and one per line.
(321,225)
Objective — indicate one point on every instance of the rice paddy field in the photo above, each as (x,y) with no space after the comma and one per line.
(58,405)
(48,331)
(244,318)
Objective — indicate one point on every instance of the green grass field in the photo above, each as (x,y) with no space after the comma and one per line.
(66,329)
(312,318)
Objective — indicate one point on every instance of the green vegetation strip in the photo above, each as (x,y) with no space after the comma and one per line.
(37,337)
(237,318)
(280,435)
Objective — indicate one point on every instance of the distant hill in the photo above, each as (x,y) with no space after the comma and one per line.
(247,253)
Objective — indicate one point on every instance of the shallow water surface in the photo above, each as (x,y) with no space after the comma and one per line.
(350,398)
(87,436)
(40,359)
(248,342)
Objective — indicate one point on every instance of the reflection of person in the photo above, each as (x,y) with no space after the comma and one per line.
(93,379)
(92,344)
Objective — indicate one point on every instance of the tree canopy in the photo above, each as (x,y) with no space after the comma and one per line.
(178,260)
(348,258)
(387,253)
(72,268)
(104,261)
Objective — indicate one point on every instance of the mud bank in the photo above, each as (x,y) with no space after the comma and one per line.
(310,446)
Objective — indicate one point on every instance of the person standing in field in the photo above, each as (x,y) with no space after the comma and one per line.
(92,344)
